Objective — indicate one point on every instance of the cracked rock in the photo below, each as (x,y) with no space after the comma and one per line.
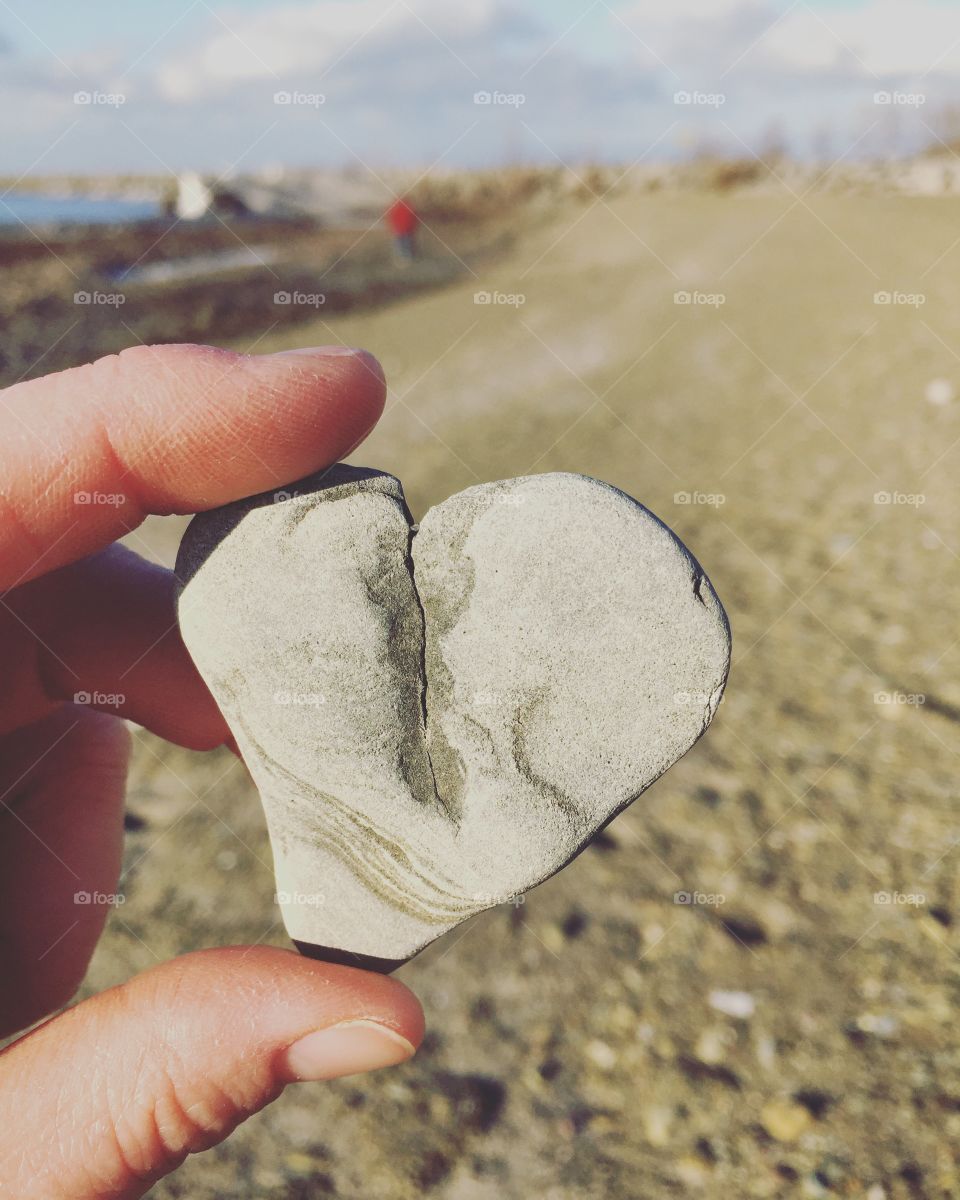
(440,718)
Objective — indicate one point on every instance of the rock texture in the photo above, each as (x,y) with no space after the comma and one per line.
(439,719)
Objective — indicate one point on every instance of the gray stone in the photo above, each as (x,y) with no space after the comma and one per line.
(439,719)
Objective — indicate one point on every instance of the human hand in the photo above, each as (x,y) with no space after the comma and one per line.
(105,1098)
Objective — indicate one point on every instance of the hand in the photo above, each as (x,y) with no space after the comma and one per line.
(110,1095)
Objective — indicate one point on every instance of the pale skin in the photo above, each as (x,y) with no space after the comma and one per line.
(106,1097)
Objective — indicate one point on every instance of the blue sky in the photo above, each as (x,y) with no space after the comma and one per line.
(198,79)
(66,26)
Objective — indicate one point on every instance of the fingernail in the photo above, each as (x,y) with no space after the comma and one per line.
(320,351)
(346,1049)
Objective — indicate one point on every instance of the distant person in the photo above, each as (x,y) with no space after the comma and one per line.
(403,222)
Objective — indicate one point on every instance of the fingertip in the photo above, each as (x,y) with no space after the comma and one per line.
(291,992)
(197,1046)
(169,429)
(350,1048)
(349,378)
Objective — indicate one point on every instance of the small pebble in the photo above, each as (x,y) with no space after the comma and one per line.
(940,392)
(601,1055)
(881,1026)
(733,1004)
(785,1120)
(657,1120)
(712,1045)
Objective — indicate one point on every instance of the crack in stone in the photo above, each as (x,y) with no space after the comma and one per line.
(422,667)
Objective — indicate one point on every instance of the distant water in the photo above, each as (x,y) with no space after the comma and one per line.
(73,210)
(199,266)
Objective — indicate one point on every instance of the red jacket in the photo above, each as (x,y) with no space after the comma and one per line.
(401,218)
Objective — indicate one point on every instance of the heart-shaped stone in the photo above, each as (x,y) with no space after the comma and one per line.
(440,718)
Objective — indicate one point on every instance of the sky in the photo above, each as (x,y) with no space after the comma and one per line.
(151,87)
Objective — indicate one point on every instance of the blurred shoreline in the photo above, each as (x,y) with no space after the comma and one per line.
(279,248)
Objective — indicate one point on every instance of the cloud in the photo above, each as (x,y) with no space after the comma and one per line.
(295,40)
(398,77)
(873,39)
(398,84)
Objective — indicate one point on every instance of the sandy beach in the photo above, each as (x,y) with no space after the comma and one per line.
(746,986)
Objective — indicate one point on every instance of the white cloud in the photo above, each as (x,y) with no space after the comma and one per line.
(876,38)
(399,78)
(883,38)
(296,39)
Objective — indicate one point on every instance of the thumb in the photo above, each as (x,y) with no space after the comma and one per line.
(106,1098)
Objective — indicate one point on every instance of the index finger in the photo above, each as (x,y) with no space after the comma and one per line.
(86,454)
